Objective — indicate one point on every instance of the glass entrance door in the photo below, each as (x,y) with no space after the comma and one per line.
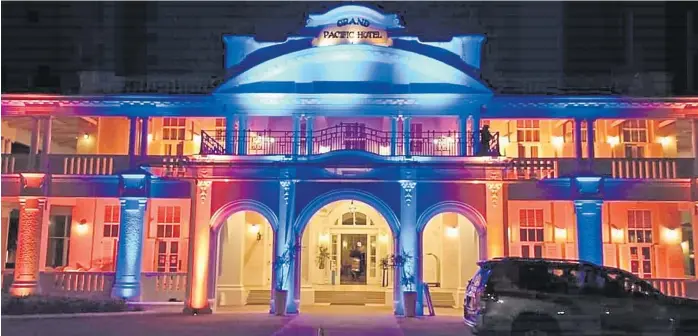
(353,259)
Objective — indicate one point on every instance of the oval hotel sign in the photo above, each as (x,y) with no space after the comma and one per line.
(352,30)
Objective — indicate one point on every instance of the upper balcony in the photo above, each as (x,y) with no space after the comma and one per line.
(348,137)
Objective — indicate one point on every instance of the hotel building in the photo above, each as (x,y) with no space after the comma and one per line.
(350,140)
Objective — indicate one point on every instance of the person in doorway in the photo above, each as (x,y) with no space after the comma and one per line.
(485,139)
(355,256)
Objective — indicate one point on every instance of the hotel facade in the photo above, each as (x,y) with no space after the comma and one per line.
(322,158)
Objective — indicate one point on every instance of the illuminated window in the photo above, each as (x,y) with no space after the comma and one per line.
(110,238)
(527,131)
(220,129)
(169,220)
(531,229)
(354,218)
(640,241)
(416,138)
(173,128)
(111,221)
(634,130)
(60,222)
(584,131)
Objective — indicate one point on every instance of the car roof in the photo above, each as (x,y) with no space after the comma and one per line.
(550,261)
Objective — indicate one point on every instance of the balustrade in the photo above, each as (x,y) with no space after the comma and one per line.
(93,284)
(353,136)
(162,287)
(671,287)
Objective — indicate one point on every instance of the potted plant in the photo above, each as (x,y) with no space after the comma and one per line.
(323,255)
(408,284)
(282,267)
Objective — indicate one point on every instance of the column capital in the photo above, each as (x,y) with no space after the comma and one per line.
(588,205)
(204,188)
(408,186)
(494,189)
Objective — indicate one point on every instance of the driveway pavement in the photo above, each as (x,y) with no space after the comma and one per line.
(333,321)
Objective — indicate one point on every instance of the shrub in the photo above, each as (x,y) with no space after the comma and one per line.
(40,304)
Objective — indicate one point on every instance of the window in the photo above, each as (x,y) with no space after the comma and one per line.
(640,241)
(354,218)
(173,128)
(531,231)
(169,220)
(416,138)
(568,130)
(354,136)
(634,152)
(59,236)
(220,130)
(634,130)
(110,238)
(584,131)
(111,221)
(527,131)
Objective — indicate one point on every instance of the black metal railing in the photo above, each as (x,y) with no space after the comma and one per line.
(352,136)
(210,146)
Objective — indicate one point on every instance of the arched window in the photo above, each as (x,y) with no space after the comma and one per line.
(354,218)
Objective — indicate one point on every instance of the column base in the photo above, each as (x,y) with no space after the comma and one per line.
(24,288)
(126,291)
(197,311)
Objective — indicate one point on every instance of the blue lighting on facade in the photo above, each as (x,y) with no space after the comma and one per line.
(127,283)
(589,232)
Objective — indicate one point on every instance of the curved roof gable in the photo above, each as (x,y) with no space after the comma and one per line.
(406,63)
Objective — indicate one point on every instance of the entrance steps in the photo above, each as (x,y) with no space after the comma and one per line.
(442,299)
(350,297)
(258,297)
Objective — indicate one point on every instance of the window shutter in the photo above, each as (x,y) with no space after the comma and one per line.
(570,251)
(609,255)
(552,251)
(514,249)
(624,256)
(659,262)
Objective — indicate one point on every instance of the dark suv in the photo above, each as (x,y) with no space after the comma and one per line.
(521,296)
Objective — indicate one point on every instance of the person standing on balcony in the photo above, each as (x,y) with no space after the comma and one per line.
(485,139)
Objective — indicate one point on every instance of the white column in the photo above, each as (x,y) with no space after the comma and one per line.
(144,136)
(34,143)
(393,136)
(132,138)
(198,272)
(694,129)
(578,139)
(309,135)
(406,136)
(296,134)
(590,139)
(230,135)
(46,142)
(242,134)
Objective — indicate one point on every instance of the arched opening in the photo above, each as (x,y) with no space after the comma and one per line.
(450,252)
(244,245)
(346,248)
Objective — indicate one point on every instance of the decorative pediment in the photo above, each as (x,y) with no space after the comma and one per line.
(361,63)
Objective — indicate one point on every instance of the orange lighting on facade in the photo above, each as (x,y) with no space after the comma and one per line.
(199,294)
(82,227)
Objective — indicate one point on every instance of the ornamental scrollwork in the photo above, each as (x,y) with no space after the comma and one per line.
(286,186)
(408,186)
(494,189)
(204,188)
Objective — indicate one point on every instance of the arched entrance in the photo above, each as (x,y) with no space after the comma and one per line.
(452,241)
(346,236)
(242,241)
